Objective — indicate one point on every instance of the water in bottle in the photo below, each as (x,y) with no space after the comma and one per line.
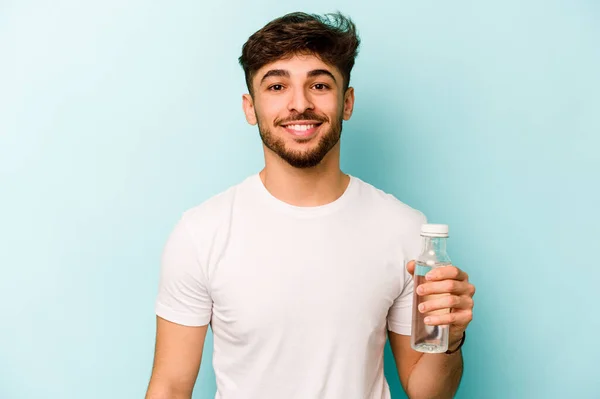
(427,338)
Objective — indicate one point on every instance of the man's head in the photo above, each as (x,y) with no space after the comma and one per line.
(297,70)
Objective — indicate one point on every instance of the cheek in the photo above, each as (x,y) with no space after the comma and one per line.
(269,111)
(330,105)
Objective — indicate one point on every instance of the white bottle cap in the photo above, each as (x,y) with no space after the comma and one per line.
(434,230)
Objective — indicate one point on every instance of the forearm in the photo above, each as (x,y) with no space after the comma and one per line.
(435,376)
(164,391)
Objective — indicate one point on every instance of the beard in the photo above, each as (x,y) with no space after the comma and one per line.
(302,159)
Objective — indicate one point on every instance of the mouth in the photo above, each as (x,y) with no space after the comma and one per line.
(302,129)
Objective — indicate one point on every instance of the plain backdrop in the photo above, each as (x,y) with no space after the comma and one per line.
(117,116)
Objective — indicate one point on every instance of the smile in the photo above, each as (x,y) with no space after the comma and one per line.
(302,129)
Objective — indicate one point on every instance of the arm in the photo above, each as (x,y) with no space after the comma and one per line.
(177,357)
(183,309)
(425,375)
(436,375)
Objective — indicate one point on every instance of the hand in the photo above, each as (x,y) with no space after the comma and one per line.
(453,282)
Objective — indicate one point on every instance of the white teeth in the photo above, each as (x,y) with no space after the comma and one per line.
(300,128)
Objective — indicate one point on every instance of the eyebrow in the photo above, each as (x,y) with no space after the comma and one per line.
(286,74)
(320,72)
(275,72)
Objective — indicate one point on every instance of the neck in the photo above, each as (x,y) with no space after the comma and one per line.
(437,244)
(316,186)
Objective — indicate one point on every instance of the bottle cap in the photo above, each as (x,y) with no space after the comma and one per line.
(434,230)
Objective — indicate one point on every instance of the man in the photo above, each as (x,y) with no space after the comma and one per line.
(301,269)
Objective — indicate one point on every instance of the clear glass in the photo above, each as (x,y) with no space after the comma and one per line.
(426,338)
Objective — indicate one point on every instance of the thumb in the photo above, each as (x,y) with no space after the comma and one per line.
(410,267)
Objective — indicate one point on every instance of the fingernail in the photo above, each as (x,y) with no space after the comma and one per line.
(429,276)
(427,320)
(419,290)
(421,307)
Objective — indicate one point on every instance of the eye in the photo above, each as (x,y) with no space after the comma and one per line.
(320,86)
(276,87)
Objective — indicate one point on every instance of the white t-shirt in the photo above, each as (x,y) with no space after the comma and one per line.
(298,298)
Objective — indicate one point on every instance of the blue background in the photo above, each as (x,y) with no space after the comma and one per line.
(117,116)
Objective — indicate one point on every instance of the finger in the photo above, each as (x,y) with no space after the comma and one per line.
(446,273)
(460,317)
(410,267)
(447,302)
(444,287)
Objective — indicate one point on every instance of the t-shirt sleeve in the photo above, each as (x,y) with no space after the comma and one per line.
(183,295)
(400,314)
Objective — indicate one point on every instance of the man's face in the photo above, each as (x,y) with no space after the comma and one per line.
(299,105)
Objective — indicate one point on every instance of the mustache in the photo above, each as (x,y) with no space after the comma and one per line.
(306,115)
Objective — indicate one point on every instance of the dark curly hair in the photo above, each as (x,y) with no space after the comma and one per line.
(331,37)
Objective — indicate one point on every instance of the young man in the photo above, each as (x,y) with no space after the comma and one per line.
(301,269)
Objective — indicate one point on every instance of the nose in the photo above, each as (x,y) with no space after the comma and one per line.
(300,101)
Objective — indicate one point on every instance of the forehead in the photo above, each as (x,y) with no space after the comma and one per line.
(297,65)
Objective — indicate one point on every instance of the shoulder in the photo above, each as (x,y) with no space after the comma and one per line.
(388,207)
(213,213)
(393,223)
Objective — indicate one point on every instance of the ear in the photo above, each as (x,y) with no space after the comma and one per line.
(248,107)
(348,103)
